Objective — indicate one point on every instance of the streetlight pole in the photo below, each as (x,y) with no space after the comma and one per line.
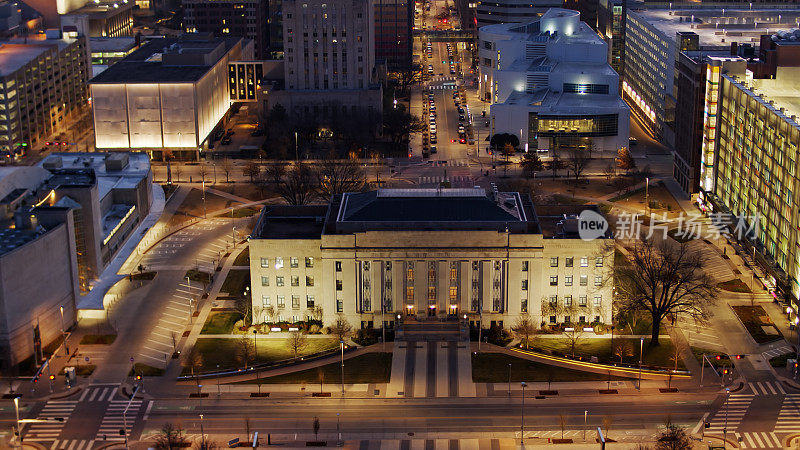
(509,380)
(341,345)
(641,350)
(296,157)
(646,195)
(63,332)
(255,345)
(725,428)
(202,434)
(204,198)
(585,416)
(19,430)
(522,422)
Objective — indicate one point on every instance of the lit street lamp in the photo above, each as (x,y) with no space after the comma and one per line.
(341,345)
(641,350)
(522,422)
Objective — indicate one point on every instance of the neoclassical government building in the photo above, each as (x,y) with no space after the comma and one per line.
(428,253)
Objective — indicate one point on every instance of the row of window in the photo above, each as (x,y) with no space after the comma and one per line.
(279,281)
(568,319)
(281,301)
(569,261)
(582,300)
(584,281)
(294,262)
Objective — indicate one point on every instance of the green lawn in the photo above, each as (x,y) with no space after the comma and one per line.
(753,318)
(243,259)
(236,282)
(197,276)
(142,276)
(145,370)
(660,356)
(780,361)
(220,322)
(366,368)
(98,339)
(734,285)
(224,352)
(493,368)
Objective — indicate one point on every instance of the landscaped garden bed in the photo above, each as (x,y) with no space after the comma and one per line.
(758,323)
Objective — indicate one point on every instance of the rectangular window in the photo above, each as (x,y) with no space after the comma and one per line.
(309,262)
(264,281)
(568,280)
(309,281)
(281,301)
(524,285)
(338,265)
(598,262)
(598,301)
(552,319)
(584,280)
(581,319)
(309,301)
(554,280)
(294,262)
(279,281)
(295,301)
(264,262)
(553,299)
(567,320)
(265,300)
(554,261)
(295,280)
(598,281)
(279,262)
(582,300)
(568,261)
(524,266)
(453,293)
(338,285)
(339,305)
(567,300)
(584,261)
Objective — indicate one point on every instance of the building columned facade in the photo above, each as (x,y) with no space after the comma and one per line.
(428,253)
(550,83)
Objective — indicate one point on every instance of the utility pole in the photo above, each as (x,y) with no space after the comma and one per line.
(522,423)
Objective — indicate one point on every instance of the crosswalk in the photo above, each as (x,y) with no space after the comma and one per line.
(789,416)
(430,369)
(716,266)
(443,87)
(98,393)
(47,431)
(730,413)
(759,439)
(167,331)
(449,163)
(766,388)
(72,444)
(450,179)
(115,419)
(777,352)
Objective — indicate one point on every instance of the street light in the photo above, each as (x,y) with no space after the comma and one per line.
(509,380)
(585,416)
(16,409)
(641,350)
(522,422)
(725,428)
(63,332)
(202,434)
(255,344)
(341,345)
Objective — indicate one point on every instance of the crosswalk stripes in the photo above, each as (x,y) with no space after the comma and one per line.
(760,439)
(730,413)
(47,431)
(777,352)
(115,419)
(789,415)
(72,444)
(98,393)
(476,444)
(766,388)
(453,179)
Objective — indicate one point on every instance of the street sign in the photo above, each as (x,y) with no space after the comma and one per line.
(131,358)
(86,359)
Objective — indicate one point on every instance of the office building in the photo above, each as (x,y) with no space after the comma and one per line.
(611,27)
(167,96)
(108,51)
(239,18)
(100,19)
(428,253)
(393,38)
(550,83)
(329,62)
(654,37)
(756,175)
(491,12)
(43,85)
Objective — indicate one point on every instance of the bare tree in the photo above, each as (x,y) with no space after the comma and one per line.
(315,426)
(530,164)
(555,165)
(269,313)
(573,337)
(675,357)
(177,170)
(251,170)
(609,171)
(341,328)
(227,167)
(245,350)
(335,176)
(577,161)
(170,437)
(623,348)
(562,422)
(299,186)
(664,278)
(203,170)
(297,342)
(244,307)
(316,313)
(625,160)
(275,172)
(673,438)
(608,420)
(193,359)
(524,329)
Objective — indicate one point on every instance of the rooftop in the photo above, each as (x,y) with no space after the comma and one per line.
(550,26)
(290,222)
(146,65)
(547,101)
(718,27)
(108,177)
(783,91)
(98,10)
(112,44)
(15,53)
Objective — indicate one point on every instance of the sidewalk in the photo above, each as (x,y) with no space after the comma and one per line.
(110,276)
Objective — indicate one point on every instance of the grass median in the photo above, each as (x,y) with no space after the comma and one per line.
(228,353)
(366,368)
(494,368)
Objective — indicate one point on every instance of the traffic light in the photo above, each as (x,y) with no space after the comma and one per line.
(725,371)
(719,357)
(52,377)
(740,356)
(138,377)
(706,424)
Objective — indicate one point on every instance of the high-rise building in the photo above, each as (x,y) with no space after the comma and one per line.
(490,12)
(428,253)
(393,38)
(329,63)
(755,174)
(240,18)
(42,86)
(611,27)
(550,83)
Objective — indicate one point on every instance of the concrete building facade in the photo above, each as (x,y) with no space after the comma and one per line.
(550,83)
(491,12)
(428,254)
(394,20)
(239,18)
